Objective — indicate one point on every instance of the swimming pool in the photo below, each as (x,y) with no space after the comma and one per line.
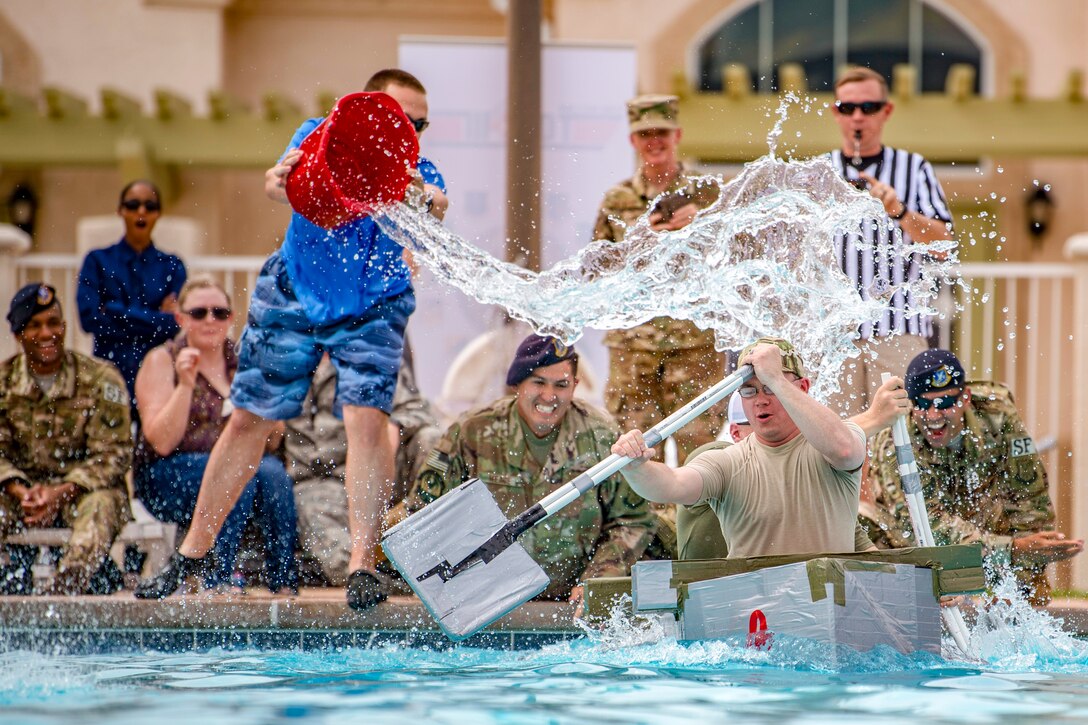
(572,682)
(1029,670)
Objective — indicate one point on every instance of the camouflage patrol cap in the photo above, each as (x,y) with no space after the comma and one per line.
(29,301)
(931,371)
(537,352)
(653,111)
(791,360)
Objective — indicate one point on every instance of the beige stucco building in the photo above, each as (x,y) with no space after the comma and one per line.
(302,49)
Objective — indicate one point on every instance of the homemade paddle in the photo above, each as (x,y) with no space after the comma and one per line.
(919,517)
(460,554)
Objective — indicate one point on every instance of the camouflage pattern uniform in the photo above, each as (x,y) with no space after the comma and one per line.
(658,366)
(77,432)
(600,534)
(316,447)
(988,490)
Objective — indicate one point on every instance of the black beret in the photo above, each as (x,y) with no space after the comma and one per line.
(537,352)
(933,370)
(29,301)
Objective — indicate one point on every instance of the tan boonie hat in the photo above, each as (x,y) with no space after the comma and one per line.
(653,111)
(791,360)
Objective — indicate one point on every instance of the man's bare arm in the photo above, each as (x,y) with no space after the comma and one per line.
(919,227)
(889,402)
(817,423)
(656,481)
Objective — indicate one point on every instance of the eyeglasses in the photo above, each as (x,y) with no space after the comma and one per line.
(151,205)
(419,124)
(751,391)
(199,313)
(847,108)
(944,402)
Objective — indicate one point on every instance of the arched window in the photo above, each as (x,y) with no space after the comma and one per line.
(823,35)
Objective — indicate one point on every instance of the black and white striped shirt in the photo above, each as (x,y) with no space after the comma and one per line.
(880,266)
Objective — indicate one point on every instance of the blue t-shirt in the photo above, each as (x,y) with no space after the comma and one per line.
(341,273)
(118,296)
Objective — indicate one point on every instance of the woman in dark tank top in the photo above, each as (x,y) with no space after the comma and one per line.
(183,394)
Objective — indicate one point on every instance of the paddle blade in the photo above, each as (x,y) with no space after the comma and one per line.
(448,530)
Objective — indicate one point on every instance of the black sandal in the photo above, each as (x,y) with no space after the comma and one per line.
(173,575)
(366,588)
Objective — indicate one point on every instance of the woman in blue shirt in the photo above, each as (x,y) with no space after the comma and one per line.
(128,292)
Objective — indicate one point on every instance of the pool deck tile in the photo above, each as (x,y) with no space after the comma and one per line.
(259,617)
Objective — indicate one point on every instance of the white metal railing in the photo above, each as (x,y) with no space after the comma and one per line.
(1013,325)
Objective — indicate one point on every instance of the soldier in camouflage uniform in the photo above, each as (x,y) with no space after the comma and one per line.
(658,366)
(65,443)
(982,479)
(523,447)
(316,446)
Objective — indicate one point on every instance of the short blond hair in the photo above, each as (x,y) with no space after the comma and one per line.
(858,74)
(201,281)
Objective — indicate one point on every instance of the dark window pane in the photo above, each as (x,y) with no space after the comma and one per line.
(803,32)
(737,41)
(877,34)
(943,44)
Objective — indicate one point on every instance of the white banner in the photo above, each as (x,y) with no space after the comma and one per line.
(585,151)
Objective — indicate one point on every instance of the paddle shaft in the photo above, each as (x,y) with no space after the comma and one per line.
(919,517)
(572,490)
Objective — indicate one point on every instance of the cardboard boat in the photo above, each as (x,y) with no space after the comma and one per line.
(860,600)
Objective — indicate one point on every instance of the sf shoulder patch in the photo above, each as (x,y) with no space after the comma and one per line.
(1021,447)
(114,394)
(438,460)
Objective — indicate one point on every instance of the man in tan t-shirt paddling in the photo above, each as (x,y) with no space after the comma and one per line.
(789,488)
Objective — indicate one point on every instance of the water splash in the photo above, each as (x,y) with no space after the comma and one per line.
(1008,633)
(783,113)
(759,261)
(635,639)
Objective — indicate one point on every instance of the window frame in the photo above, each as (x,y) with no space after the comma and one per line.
(764,72)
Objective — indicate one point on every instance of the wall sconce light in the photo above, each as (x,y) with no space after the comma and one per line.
(23,208)
(1040,210)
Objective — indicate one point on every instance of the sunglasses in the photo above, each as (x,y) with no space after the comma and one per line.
(151,205)
(199,313)
(942,403)
(419,124)
(867,107)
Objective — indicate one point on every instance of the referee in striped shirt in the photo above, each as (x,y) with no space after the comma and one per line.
(905,184)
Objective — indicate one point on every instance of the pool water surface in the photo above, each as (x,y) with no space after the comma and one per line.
(1024,669)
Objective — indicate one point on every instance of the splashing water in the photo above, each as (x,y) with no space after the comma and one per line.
(759,261)
(1007,634)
